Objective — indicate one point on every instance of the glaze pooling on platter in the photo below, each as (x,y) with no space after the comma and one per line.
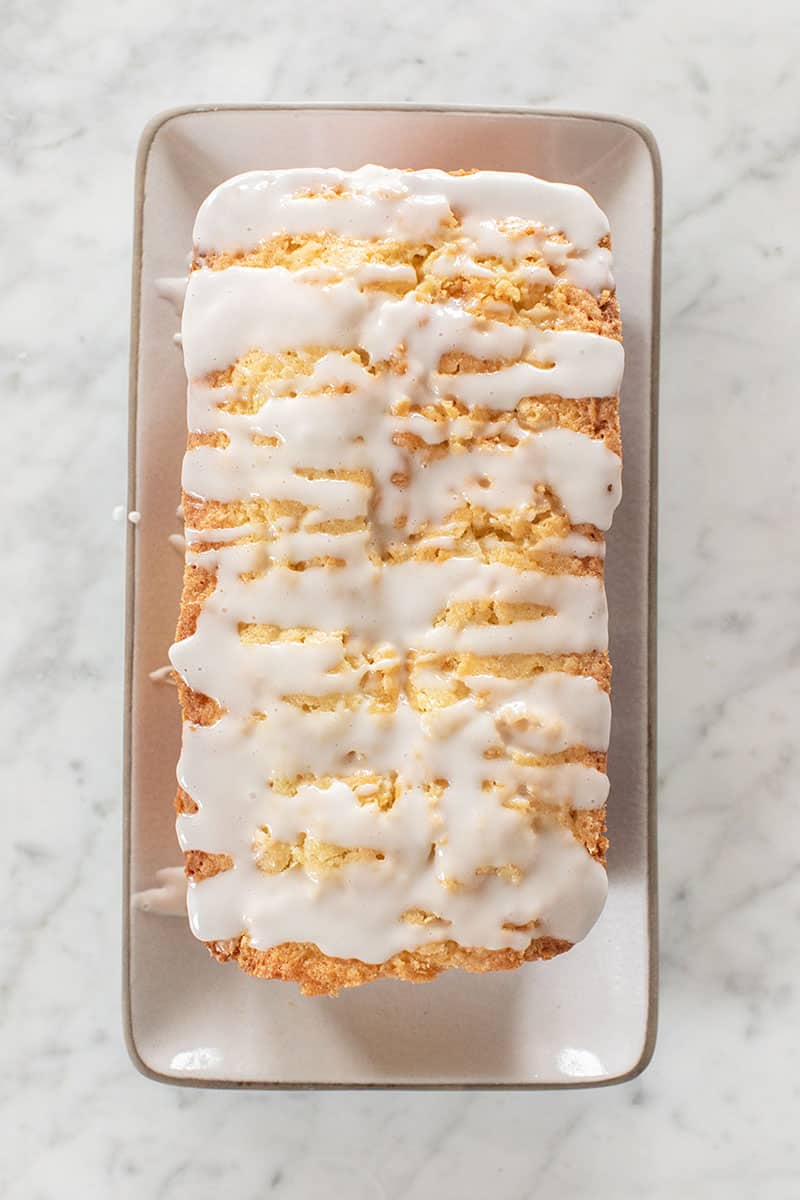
(394,500)
(168,897)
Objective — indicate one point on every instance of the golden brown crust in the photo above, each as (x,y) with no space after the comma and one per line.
(202,865)
(320,975)
(197,708)
(198,583)
(184,802)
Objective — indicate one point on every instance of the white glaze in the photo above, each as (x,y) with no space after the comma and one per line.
(375,604)
(413,206)
(227,313)
(548,713)
(366,616)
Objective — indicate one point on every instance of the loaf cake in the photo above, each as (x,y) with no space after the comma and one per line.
(391,653)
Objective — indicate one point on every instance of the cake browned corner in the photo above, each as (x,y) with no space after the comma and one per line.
(403,453)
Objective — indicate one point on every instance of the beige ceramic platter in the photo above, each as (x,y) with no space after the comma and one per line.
(585,1018)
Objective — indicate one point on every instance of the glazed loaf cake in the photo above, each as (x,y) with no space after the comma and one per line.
(392,647)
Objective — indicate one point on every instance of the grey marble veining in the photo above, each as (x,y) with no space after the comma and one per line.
(716,1114)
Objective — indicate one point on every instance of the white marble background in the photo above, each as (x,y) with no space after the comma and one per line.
(717,1112)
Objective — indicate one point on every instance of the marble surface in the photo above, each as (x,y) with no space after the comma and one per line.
(716,1113)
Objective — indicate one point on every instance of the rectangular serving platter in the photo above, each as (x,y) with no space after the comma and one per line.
(586,1018)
